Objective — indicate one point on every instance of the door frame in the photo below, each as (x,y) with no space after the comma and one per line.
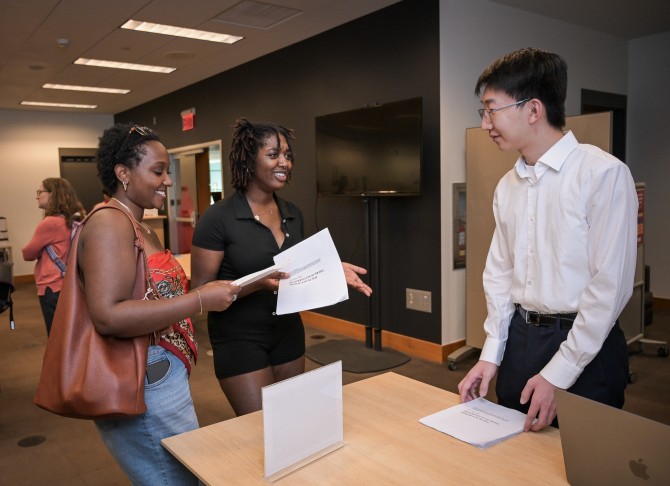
(174,153)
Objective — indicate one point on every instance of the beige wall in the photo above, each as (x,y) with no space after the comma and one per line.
(29,142)
(648,154)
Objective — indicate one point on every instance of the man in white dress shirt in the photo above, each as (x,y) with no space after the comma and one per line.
(562,259)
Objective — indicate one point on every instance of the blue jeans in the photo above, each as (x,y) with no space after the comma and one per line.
(135,443)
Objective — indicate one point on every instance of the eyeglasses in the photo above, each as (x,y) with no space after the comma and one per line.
(142,131)
(40,191)
(485,113)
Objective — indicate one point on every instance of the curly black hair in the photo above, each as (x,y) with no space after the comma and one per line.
(247,139)
(123,143)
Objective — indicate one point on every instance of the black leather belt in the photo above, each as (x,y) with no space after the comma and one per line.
(546,320)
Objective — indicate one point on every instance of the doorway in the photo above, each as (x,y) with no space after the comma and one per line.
(79,167)
(600,101)
(197,183)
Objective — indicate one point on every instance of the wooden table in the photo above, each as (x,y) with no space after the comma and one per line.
(385,444)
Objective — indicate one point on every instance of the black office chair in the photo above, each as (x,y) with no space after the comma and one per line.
(6,289)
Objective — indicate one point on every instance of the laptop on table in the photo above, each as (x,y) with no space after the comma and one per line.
(605,445)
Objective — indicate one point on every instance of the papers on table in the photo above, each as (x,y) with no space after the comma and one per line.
(316,275)
(477,422)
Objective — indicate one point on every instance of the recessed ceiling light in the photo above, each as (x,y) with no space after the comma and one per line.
(124,65)
(180,32)
(58,105)
(94,89)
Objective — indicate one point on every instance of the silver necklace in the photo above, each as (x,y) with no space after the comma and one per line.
(144,226)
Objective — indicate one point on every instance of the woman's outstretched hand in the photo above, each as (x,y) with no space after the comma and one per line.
(351,274)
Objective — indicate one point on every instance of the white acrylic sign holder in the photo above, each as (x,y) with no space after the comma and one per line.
(302,420)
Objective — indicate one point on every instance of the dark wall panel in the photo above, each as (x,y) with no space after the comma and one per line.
(386,56)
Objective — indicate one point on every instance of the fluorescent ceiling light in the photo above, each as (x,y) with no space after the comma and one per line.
(94,89)
(59,105)
(124,65)
(180,32)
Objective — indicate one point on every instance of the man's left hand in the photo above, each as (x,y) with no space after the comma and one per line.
(542,403)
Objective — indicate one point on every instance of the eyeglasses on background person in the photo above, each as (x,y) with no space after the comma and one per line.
(40,191)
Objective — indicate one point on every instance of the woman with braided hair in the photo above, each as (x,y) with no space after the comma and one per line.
(253,347)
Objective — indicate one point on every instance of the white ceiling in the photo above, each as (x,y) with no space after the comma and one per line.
(31,56)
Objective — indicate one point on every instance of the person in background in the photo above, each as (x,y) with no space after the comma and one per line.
(240,235)
(561,264)
(106,196)
(50,244)
(134,166)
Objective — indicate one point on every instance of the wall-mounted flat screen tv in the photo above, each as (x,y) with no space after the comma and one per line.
(371,151)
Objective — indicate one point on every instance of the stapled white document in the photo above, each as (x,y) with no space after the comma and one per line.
(252,277)
(477,422)
(316,277)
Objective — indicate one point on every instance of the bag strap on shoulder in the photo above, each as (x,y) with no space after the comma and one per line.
(56,259)
(151,291)
(51,251)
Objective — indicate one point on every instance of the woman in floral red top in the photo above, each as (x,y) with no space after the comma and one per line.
(134,166)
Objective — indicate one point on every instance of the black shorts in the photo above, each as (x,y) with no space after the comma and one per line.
(243,347)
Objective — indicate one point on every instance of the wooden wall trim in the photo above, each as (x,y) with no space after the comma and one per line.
(661,304)
(414,347)
(24,279)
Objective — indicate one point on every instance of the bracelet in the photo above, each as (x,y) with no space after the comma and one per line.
(200,301)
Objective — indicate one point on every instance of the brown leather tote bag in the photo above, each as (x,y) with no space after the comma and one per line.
(84,374)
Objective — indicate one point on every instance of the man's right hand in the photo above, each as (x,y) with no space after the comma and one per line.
(476,382)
